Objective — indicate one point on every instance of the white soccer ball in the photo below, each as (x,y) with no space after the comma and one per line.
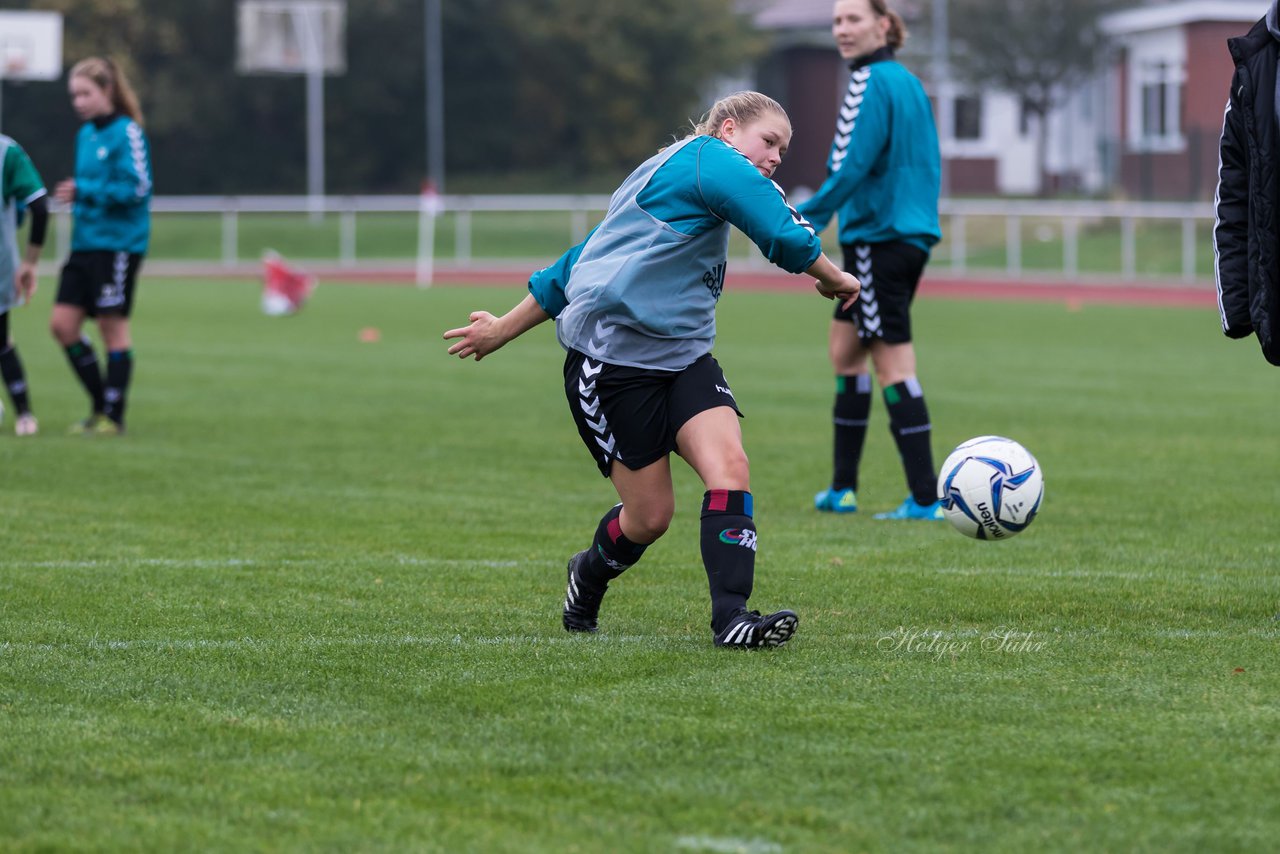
(990,488)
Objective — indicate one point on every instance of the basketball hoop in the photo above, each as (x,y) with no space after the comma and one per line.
(291,36)
(305,37)
(30,45)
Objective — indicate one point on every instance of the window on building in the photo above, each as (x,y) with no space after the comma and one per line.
(1155,109)
(1158,106)
(1024,118)
(968,117)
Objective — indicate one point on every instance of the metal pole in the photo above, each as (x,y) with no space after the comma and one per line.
(1013,244)
(1188,249)
(434,70)
(1128,248)
(1070,247)
(347,238)
(308,18)
(230,238)
(941,74)
(315,141)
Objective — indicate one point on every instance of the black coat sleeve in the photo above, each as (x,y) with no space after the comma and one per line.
(1231,225)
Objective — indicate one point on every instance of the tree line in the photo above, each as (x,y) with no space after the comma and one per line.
(563,89)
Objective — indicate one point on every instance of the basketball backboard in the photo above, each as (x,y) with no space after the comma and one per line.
(30,45)
(291,36)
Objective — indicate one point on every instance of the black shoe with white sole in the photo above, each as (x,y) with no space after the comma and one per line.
(752,631)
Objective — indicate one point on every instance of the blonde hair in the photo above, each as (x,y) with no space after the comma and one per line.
(897,35)
(742,107)
(108,77)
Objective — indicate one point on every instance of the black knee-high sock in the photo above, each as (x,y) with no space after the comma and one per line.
(909,423)
(852,409)
(14,379)
(728,552)
(85,364)
(611,552)
(119,370)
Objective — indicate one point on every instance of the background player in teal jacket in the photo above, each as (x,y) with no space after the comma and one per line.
(111,192)
(21,191)
(635,309)
(883,181)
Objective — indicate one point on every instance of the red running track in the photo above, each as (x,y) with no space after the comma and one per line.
(1073,294)
(1198,294)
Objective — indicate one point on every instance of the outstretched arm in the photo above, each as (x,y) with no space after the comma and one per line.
(487,333)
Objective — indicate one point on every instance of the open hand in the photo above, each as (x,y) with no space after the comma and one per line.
(479,338)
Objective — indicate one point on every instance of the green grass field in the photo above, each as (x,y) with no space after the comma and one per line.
(311,600)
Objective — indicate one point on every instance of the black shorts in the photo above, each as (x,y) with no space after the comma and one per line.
(632,414)
(890,274)
(100,282)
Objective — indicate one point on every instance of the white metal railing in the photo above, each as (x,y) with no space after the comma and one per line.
(957,215)
(1071,214)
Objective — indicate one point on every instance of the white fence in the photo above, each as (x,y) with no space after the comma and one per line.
(1190,217)
(1013,238)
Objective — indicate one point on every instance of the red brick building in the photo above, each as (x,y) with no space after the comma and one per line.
(1147,125)
(1170,77)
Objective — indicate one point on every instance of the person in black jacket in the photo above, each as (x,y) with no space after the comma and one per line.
(1246,242)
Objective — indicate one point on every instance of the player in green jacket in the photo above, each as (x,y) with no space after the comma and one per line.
(21,193)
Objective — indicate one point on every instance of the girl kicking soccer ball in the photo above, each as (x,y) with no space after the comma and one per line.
(634,306)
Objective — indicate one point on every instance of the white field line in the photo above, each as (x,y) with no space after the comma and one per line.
(1221,577)
(727,845)
(1052,636)
(234,563)
(279,644)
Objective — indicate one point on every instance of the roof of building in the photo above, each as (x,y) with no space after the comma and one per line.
(1184,12)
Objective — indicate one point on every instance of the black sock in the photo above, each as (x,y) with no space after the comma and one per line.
(852,409)
(728,552)
(14,379)
(909,423)
(611,552)
(85,364)
(119,369)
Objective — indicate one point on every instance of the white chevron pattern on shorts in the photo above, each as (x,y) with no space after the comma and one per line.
(587,399)
(868,305)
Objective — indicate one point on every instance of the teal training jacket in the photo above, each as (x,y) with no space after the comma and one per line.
(113,187)
(884,169)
